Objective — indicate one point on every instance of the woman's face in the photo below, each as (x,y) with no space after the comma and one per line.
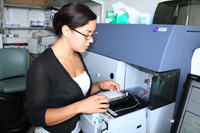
(78,40)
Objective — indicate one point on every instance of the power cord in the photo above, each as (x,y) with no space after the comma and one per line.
(131,106)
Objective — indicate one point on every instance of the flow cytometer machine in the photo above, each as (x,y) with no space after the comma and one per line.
(151,63)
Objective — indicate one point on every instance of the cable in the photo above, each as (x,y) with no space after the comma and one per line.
(131,106)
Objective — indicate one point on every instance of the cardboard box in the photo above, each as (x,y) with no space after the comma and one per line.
(12,2)
(39,2)
(26,2)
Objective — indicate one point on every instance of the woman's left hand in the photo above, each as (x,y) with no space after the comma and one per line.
(109,85)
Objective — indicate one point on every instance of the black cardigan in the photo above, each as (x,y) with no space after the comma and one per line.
(49,85)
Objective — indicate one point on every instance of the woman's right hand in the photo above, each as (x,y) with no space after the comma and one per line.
(94,104)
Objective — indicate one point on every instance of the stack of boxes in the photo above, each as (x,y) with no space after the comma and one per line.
(29,2)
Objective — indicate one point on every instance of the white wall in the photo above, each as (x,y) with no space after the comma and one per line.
(95,7)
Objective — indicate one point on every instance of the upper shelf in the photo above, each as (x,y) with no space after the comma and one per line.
(28,28)
(22,6)
(56,4)
(59,3)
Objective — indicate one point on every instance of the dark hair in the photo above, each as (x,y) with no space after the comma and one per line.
(73,15)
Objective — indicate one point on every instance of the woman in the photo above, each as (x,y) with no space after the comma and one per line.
(58,83)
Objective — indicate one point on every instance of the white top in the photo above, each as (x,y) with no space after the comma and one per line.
(83,81)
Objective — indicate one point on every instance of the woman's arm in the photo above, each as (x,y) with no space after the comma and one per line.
(90,105)
(104,85)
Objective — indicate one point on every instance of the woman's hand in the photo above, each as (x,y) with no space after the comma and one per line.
(109,85)
(104,85)
(94,104)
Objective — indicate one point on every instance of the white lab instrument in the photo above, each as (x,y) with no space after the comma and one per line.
(40,43)
(104,68)
(123,116)
(47,40)
(150,62)
(112,121)
(34,47)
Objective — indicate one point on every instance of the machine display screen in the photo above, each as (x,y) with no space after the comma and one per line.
(188,116)
(190,123)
